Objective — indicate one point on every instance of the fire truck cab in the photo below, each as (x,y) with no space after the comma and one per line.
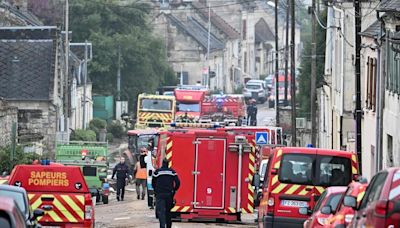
(189,102)
(61,191)
(219,190)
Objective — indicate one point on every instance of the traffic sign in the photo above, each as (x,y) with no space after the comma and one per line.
(261,138)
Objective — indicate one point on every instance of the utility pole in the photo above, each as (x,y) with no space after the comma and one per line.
(276,66)
(358,111)
(84,86)
(208,46)
(293,71)
(66,77)
(313,72)
(287,51)
(119,74)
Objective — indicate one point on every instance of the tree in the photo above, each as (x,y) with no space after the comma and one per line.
(115,29)
(304,80)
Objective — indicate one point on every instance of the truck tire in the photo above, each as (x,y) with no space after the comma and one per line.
(105,199)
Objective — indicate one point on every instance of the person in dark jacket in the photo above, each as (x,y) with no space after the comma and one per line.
(252,113)
(122,171)
(165,183)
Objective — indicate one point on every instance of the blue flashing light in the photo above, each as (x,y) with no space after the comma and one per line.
(45,162)
(173,124)
(310,145)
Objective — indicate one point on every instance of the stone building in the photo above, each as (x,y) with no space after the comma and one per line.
(8,116)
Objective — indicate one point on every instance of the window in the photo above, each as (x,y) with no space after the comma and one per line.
(245,62)
(156,104)
(333,171)
(296,169)
(253,86)
(374,189)
(371,83)
(18,198)
(333,201)
(244,30)
(89,171)
(188,107)
(390,150)
(393,74)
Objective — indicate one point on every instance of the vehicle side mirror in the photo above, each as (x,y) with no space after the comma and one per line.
(37,213)
(350,201)
(256,180)
(305,211)
(326,210)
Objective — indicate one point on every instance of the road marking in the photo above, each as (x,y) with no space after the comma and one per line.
(122,218)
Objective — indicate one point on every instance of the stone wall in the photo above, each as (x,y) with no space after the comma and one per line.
(37,124)
(8,116)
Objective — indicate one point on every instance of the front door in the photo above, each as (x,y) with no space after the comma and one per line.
(210,173)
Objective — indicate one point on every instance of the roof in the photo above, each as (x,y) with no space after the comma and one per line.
(216,20)
(373,30)
(150,131)
(263,32)
(389,6)
(27,63)
(197,32)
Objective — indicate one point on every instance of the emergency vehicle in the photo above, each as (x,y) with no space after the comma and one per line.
(61,191)
(189,102)
(224,109)
(155,110)
(137,139)
(296,177)
(222,190)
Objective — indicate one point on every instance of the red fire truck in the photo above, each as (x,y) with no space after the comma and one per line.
(188,103)
(225,109)
(216,167)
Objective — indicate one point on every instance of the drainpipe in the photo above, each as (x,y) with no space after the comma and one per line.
(378,112)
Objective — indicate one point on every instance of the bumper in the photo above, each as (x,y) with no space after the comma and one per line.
(282,222)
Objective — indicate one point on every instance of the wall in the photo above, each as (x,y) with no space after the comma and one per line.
(37,124)
(8,116)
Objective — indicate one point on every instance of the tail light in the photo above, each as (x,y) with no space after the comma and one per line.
(382,207)
(88,212)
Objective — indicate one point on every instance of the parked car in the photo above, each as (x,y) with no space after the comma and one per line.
(256,89)
(345,214)
(21,198)
(10,214)
(380,206)
(327,203)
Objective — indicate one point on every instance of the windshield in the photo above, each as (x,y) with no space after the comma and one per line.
(156,104)
(268,81)
(329,170)
(188,107)
(253,86)
(18,198)
(333,201)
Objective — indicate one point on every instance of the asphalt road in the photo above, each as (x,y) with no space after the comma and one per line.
(135,213)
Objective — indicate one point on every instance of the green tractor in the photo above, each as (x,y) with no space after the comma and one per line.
(92,158)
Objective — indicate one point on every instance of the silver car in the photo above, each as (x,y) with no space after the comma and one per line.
(256,89)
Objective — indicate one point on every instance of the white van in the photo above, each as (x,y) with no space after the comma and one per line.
(256,89)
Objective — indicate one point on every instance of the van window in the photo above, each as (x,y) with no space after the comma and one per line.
(253,86)
(333,171)
(296,169)
(89,171)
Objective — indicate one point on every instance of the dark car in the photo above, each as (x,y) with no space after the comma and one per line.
(10,214)
(380,206)
(20,196)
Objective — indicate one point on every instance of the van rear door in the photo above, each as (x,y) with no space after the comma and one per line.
(293,187)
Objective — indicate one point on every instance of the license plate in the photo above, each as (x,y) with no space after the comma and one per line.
(294,203)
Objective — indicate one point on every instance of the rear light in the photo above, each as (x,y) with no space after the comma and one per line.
(88,212)
(271,201)
(322,221)
(348,218)
(382,207)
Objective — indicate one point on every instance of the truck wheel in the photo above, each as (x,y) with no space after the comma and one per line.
(105,199)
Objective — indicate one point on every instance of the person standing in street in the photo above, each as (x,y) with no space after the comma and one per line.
(141,174)
(252,113)
(122,171)
(165,183)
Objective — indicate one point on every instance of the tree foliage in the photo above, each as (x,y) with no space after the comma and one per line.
(21,157)
(115,29)
(304,78)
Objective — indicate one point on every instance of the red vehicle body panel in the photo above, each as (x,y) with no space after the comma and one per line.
(230,105)
(10,208)
(60,190)
(382,208)
(210,190)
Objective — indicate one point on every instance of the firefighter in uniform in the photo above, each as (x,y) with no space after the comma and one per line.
(122,171)
(252,113)
(165,183)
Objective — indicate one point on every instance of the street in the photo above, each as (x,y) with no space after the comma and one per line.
(135,213)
